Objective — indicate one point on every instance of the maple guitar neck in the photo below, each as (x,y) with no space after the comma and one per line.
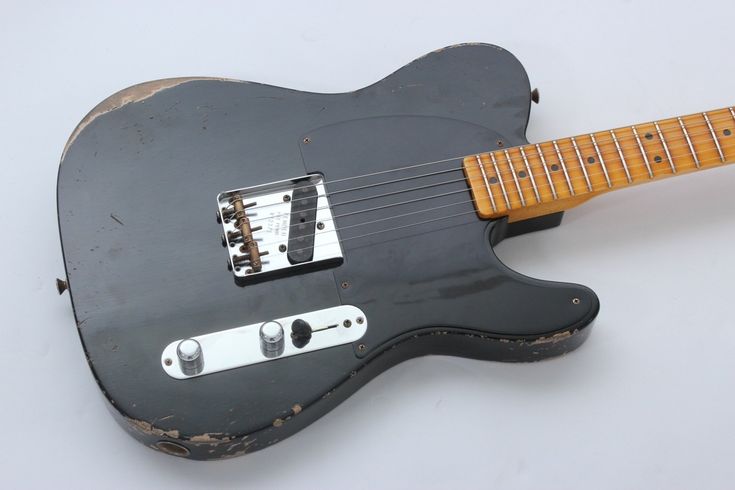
(538,179)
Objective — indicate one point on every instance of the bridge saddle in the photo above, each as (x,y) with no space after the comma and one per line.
(288,221)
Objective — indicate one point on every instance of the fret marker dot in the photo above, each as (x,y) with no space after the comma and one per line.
(727,132)
(522,174)
(649,136)
(657,159)
(554,167)
(590,160)
(493,180)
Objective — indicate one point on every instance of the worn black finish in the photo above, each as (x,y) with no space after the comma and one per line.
(144,264)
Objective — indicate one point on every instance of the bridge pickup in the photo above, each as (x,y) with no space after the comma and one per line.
(303,223)
(278,228)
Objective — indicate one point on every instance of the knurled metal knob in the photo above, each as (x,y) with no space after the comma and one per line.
(190,357)
(271,339)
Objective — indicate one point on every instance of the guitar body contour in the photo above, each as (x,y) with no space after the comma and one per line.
(136,197)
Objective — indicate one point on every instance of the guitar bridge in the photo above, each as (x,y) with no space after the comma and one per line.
(278,228)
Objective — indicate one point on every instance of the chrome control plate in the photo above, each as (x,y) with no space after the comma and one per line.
(242,346)
(267,209)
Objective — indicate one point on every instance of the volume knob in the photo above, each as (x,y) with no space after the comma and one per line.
(190,357)
(271,339)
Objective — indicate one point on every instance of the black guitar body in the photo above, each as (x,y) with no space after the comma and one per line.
(145,266)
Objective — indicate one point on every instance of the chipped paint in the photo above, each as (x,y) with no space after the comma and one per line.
(147,428)
(553,339)
(278,422)
(134,94)
(296,409)
(209,438)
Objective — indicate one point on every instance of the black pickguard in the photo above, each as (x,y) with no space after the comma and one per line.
(136,196)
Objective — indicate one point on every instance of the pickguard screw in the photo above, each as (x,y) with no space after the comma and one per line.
(345,284)
(347,323)
(320,225)
(360,320)
(282,248)
(362,347)
(576,301)
(307,140)
(286,198)
(167,361)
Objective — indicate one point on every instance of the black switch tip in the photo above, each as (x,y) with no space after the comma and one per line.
(300,333)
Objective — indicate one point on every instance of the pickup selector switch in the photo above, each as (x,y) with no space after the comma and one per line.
(271,339)
(300,332)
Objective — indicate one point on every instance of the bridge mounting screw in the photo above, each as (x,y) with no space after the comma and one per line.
(320,225)
(576,301)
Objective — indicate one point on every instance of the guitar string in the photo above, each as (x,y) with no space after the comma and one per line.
(727,116)
(539,186)
(601,145)
(341,241)
(621,139)
(622,179)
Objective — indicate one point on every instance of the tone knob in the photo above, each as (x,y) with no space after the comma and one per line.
(271,339)
(190,356)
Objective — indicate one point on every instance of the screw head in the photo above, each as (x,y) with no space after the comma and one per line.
(360,320)
(282,248)
(362,347)
(576,301)
(345,284)
(320,226)
(347,323)
(286,198)
(307,140)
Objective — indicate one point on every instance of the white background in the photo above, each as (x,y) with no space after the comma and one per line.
(646,403)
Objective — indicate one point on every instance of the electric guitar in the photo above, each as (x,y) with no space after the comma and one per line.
(241,258)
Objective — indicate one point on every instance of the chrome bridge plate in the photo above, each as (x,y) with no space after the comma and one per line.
(261,239)
(243,346)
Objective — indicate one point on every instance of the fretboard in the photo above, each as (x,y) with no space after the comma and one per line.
(537,179)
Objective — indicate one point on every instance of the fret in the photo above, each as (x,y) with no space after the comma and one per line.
(546,170)
(563,167)
(622,158)
(714,137)
(602,160)
(732,113)
(581,165)
(487,184)
(643,152)
(666,147)
(689,142)
(515,177)
(500,180)
(530,174)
